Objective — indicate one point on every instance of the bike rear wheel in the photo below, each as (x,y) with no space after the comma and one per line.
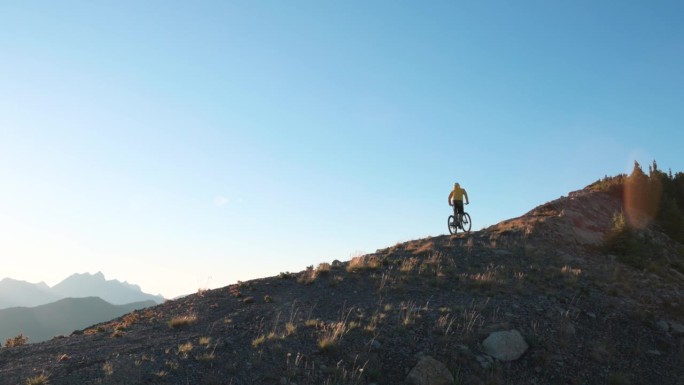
(466,222)
(453,226)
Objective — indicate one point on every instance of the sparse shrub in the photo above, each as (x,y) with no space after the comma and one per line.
(312,323)
(424,248)
(364,262)
(181,321)
(331,336)
(307,276)
(184,349)
(268,298)
(290,328)
(409,264)
(323,268)
(40,379)
(286,275)
(107,368)
(130,319)
(16,341)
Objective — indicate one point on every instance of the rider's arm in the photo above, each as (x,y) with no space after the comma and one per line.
(466,197)
(449,199)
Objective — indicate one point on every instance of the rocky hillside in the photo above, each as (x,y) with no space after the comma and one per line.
(533,300)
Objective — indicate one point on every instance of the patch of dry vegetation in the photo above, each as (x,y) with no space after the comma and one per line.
(182,321)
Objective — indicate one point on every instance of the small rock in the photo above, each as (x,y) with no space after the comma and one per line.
(375,345)
(591,315)
(429,371)
(505,345)
(248,300)
(654,352)
(663,325)
(676,328)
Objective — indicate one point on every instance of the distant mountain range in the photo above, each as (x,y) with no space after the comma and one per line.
(62,317)
(14,293)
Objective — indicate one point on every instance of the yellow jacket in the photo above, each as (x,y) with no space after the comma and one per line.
(457,194)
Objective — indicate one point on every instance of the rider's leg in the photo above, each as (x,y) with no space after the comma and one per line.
(459,205)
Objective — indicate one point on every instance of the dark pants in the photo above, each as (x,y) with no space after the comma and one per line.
(458,207)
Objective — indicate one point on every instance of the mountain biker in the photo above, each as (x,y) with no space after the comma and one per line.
(456,200)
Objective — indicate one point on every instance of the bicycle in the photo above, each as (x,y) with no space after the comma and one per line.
(464,225)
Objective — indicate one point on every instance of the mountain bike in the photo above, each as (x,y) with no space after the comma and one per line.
(464,225)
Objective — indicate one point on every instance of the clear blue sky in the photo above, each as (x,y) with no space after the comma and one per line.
(182,145)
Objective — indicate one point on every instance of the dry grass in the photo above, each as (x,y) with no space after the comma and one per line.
(424,248)
(290,328)
(16,341)
(408,265)
(107,368)
(40,379)
(258,341)
(184,349)
(182,321)
(332,335)
(364,262)
(323,268)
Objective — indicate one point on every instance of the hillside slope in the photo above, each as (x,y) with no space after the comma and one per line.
(586,317)
(43,322)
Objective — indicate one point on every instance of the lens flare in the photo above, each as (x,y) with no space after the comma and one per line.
(641,200)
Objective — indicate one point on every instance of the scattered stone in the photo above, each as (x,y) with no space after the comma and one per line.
(505,345)
(654,352)
(676,328)
(375,345)
(485,361)
(248,300)
(663,325)
(429,371)
(591,315)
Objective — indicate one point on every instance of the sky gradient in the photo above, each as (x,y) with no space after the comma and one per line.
(185,145)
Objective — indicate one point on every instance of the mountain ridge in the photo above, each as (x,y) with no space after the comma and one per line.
(586,315)
(16,293)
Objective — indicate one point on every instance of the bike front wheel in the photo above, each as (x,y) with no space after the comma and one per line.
(466,222)
(453,226)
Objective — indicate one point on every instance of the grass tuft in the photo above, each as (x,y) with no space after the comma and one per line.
(182,321)
(40,379)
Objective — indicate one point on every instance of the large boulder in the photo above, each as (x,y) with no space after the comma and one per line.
(505,345)
(429,371)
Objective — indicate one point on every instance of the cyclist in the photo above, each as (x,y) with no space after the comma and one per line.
(456,200)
